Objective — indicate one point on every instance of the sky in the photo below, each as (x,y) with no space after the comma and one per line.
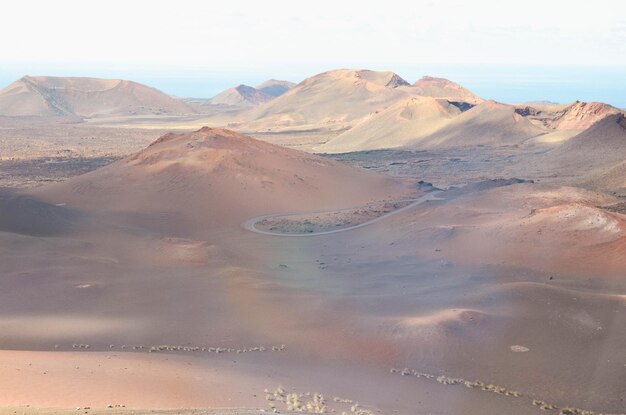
(506,50)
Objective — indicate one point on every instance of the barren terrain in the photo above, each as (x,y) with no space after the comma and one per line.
(145,262)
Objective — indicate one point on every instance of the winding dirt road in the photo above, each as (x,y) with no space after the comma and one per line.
(250,224)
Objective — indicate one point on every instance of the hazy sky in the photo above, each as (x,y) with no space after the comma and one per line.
(179,44)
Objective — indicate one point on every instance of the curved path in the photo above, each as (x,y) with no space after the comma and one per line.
(250,223)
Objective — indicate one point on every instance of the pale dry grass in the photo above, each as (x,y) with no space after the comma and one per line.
(501,390)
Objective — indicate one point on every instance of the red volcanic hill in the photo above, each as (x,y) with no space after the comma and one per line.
(217,177)
(581,115)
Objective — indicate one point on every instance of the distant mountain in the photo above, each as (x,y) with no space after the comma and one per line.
(241,95)
(575,116)
(239,98)
(45,96)
(488,123)
(430,123)
(542,103)
(396,126)
(442,88)
(331,99)
(580,115)
(339,99)
(274,87)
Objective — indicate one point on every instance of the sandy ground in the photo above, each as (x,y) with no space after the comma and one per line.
(124,411)
(35,153)
(515,285)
